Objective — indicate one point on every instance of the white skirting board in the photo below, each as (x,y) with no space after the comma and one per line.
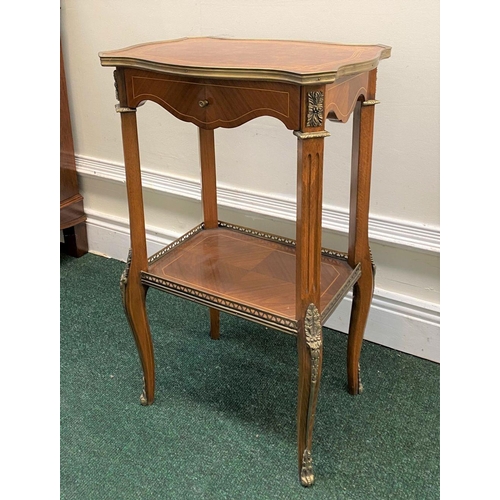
(395,321)
(399,233)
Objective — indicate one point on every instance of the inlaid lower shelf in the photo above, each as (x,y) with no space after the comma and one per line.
(245,272)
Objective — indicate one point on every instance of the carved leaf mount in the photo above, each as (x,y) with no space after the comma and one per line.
(313,327)
(315,108)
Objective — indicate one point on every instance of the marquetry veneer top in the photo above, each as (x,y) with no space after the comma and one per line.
(277,60)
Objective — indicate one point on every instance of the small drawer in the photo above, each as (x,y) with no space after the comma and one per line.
(181,98)
(234,103)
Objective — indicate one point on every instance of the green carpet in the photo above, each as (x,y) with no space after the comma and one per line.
(223,422)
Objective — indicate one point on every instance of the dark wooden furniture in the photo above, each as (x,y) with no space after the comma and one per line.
(72,214)
(289,285)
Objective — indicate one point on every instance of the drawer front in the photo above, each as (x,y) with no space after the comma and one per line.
(214,103)
(181,98)
(233,103)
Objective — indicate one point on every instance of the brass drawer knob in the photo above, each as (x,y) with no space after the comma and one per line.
(203,104)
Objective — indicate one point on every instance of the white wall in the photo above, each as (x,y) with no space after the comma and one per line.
(257,178)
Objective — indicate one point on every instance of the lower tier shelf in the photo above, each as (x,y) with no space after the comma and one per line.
(245,272)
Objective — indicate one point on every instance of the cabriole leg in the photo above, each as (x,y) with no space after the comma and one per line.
(361,302)
(133,291)
(134,303)
(359,249)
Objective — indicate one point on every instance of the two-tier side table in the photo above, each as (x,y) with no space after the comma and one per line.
(289,285)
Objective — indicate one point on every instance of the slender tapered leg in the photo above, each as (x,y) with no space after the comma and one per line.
(133,291)
(209,201)
(359,249)
(308,261)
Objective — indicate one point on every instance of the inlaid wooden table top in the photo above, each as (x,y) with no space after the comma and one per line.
(276,60)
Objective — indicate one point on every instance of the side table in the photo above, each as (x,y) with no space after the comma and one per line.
(289,285)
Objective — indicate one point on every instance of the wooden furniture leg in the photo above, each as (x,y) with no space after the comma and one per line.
(309,336)
(209,201)
(359,249)
(75,240)
(133,291)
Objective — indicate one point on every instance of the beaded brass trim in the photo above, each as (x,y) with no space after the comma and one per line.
(280,239)
(176,243)
(334,253)
(247,312)
(259,234)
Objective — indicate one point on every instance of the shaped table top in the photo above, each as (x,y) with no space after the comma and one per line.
(297,62)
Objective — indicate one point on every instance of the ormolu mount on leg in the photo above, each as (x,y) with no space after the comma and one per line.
(314,343)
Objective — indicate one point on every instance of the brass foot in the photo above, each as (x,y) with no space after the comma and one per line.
(142,398)
(306,473)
